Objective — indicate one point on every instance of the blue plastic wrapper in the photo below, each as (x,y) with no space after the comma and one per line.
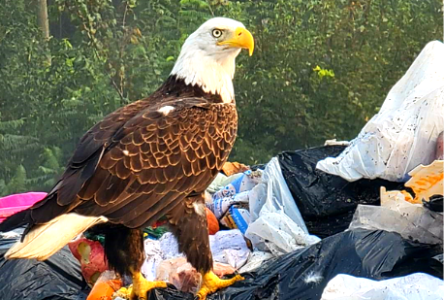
(240,184)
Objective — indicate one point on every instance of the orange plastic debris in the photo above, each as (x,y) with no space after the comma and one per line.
(427,181)
(213,223)
(231,168)
(409,197)
(104,290)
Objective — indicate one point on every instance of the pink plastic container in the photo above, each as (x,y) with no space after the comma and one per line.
(12,204)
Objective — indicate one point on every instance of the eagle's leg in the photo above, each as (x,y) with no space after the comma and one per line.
(189,224)
(141,286)
(125,252)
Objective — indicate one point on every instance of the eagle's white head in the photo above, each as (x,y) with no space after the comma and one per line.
(207,58)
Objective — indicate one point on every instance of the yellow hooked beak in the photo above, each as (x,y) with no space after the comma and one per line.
(241,38)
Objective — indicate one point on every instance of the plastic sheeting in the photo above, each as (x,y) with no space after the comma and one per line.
(276,223)
(412,221)
(153,258)
(405,131)
(12,204)
(246,182)
(412,287)
(57,278)
(327,202)
(221,180)
(227,246)
(303,274)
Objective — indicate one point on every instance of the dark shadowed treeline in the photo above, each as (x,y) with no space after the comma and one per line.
(319,71)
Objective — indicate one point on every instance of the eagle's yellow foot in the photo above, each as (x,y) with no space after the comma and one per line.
(141,286)
(211,283)
(124,293)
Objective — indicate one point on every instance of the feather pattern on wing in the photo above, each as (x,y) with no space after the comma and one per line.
(141,161)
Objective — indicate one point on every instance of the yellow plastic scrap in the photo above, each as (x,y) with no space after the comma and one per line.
(427,181)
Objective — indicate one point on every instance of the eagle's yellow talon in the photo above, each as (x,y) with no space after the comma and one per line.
(212,283)
(141,286)
(124,293)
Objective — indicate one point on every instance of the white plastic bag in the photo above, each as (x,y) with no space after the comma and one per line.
(227,246)
(411,221)
(272,195)
(169,246)
(153,257)
(404,132)
(416,286)
(278,234)
(256,259)
(276,223)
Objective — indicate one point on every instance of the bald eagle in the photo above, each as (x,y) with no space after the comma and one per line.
(149,160)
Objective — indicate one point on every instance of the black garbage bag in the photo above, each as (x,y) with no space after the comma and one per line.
(304,274)
(327,202)
(57,278)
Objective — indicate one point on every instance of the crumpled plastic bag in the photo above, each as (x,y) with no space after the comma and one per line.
(12,204)
(58,277)
(439,153)
(411,221)
(227,246)
(416,286)
(220,181)
(256,260)
(169,246)
(326,202)
(220,206)
(405,131)
(245,182)
(278,234)
(272,194)
(153,257)
(276,223)
(91,256)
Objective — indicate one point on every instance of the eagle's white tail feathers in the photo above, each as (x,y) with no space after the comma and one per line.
(46,239)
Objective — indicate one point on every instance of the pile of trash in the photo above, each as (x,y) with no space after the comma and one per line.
(349,220)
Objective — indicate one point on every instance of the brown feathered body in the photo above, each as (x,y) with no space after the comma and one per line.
(153,158)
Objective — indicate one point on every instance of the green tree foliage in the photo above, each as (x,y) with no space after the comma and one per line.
(320,70)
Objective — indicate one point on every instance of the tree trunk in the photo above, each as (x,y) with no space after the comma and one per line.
(43,22)
(43,18)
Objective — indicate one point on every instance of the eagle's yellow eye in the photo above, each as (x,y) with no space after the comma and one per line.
(217,33)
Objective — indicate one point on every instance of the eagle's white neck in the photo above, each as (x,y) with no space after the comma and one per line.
(213,74)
